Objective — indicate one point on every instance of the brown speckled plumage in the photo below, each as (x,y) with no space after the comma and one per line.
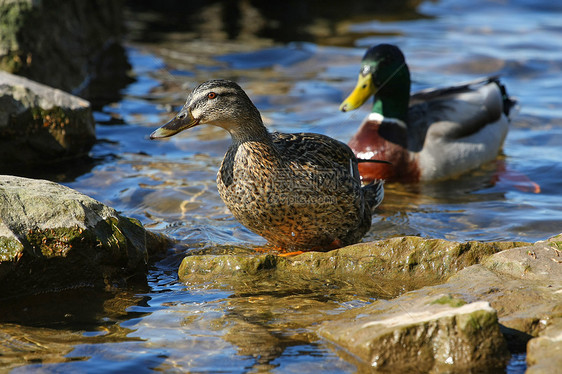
(299,191)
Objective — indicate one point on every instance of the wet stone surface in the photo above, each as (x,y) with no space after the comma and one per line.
(461,305)
(53,237)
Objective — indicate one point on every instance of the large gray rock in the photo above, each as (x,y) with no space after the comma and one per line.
(63,44)
(53,237)
(39,124)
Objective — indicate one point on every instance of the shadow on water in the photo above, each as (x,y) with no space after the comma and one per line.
(314,20)
(61,172)
(109,76)
(45,328)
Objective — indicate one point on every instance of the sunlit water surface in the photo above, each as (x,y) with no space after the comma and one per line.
(170,187)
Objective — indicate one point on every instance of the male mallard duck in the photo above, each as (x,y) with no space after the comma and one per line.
(433,134)
(299,191)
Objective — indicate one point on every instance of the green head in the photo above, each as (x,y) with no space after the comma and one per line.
(385,75)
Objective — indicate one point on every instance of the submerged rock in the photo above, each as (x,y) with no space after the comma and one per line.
(53,237)
(40,125)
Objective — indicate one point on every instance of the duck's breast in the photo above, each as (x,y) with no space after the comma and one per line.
(387,141)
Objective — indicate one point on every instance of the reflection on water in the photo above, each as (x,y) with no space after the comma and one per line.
(44,329)
(322,22)
(170,185)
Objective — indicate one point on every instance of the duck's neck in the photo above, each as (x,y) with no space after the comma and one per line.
(253,131)
(392,106)
(393,98)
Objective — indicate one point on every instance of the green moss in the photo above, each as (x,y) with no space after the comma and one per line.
(55,117)
(54,242)
(13,17)
(268,262)
(556,245)
(108,236)
(11,62)
(9,248)
(449,300)
(477,322)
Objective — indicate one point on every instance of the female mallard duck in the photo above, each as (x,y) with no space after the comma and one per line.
(433,134)
(299,191)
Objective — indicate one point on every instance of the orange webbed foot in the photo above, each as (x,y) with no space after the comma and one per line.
(290,254)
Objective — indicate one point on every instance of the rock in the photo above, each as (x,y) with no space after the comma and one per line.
(53,237)
(528,286)
(514,282)
(425,334)
(63,44)
(541,262)
(532,300)
(520,283)
(399,264)
(40,125)
(544,354)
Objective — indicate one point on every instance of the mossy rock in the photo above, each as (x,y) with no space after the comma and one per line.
(414,334)
(40,125)
(52,237)
(36,38)
(400,264)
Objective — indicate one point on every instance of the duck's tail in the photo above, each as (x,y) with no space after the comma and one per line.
(374,194)
(508,102)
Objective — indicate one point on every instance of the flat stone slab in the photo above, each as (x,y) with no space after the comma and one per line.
(400,264)
(524,286)
(432,333)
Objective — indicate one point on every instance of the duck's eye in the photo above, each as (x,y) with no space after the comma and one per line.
(182,115)
(211,95)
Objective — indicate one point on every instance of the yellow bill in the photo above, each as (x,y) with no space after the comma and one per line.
(362,91)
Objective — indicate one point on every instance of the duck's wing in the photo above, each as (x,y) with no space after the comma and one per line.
(315,151)
(444,92)
(458,111)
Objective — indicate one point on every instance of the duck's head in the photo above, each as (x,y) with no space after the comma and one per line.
(217,102)
(385,75)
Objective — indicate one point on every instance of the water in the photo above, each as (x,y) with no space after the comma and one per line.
(170,185)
